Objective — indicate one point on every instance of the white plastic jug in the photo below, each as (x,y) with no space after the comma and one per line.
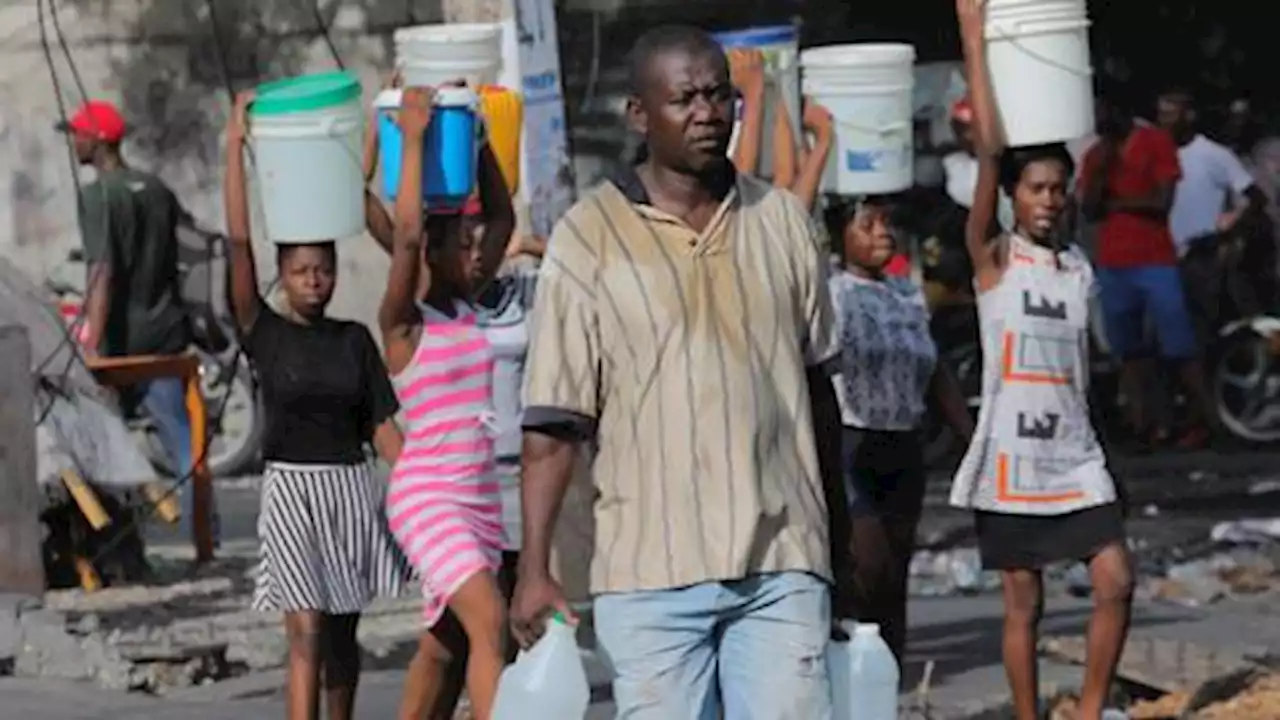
(547,682)
(867,87)
(1038,53)
(864,675)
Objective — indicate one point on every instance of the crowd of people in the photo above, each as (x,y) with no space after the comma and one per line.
(751,410)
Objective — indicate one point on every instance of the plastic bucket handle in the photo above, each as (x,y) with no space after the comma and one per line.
(1003,31)
(332,126)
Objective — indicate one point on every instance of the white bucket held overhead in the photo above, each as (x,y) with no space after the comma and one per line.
(867,88)
(307,136)
(432,55)
(1038,54)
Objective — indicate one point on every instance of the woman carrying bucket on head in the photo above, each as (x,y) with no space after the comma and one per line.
(888,378)
(501,303)
(325,546)
(444,501)
(1035,474)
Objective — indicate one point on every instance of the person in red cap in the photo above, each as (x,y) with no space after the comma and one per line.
(128,223)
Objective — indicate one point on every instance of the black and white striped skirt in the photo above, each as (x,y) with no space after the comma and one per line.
(325,544)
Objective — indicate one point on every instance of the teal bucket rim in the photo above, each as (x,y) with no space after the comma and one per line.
(304,93)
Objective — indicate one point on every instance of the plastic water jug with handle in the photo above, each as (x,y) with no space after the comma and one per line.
(546,681)
(864,675)
(504,119)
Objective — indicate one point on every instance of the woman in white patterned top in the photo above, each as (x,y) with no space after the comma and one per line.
(888,375)
(1035,475)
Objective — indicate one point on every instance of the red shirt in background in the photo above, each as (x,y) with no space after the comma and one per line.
(899,266)
(1148,159)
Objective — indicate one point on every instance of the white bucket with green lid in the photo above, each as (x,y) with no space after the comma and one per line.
(307,136)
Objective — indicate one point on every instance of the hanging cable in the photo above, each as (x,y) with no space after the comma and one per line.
(66,50)
(324,32)
(70,330)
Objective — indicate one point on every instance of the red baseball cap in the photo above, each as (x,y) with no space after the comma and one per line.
(97,119)
(962,111)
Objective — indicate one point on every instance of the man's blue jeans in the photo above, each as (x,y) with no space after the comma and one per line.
(752,649)
(165,403)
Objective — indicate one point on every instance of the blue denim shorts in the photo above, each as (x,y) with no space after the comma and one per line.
(1132,295)
(752,648)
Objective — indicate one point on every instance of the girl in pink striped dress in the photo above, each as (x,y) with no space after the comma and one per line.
(443,502)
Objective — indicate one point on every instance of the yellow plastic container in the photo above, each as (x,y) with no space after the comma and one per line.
(503,113)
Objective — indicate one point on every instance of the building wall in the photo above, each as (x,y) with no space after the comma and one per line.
(160,61)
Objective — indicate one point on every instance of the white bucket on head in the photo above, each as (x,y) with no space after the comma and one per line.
(310,173)
(431,55)
(867,88)
(1038,54)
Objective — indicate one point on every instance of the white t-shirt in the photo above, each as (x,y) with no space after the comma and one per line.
(962,182)
(1211,174)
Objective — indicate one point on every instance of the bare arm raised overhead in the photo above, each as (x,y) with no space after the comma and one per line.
(988,145)
(498,212)
(377,220)
(398,314)
(746,70)
(817,120)
(245,300)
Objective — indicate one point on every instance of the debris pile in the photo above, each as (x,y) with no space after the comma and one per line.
(1244,559)
(1259,700)
(180,630)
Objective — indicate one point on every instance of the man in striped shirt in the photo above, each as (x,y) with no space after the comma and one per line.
(682,325)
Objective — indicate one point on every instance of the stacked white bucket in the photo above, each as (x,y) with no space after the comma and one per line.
(867,88)
(1038,53)
(432,55)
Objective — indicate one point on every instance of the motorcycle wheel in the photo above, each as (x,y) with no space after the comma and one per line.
(1245,382)
(236,446)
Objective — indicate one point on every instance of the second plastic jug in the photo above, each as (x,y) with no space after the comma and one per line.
(547,682)
(864,675)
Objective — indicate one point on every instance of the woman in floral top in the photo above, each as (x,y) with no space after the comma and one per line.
(888,376)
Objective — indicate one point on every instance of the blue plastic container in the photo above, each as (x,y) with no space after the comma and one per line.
(758,37)
(449,150)
(780,45)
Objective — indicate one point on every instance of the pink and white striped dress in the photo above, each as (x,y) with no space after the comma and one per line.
(443,502)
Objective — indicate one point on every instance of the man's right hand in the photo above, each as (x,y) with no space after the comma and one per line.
(536,596)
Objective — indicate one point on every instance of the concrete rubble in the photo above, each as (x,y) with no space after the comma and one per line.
(79,425)
(174,633)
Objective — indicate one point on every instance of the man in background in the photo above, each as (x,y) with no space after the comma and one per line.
(129,221)
(1216,201)
(1126,184)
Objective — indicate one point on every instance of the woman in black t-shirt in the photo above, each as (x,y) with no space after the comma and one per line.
(326,549)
